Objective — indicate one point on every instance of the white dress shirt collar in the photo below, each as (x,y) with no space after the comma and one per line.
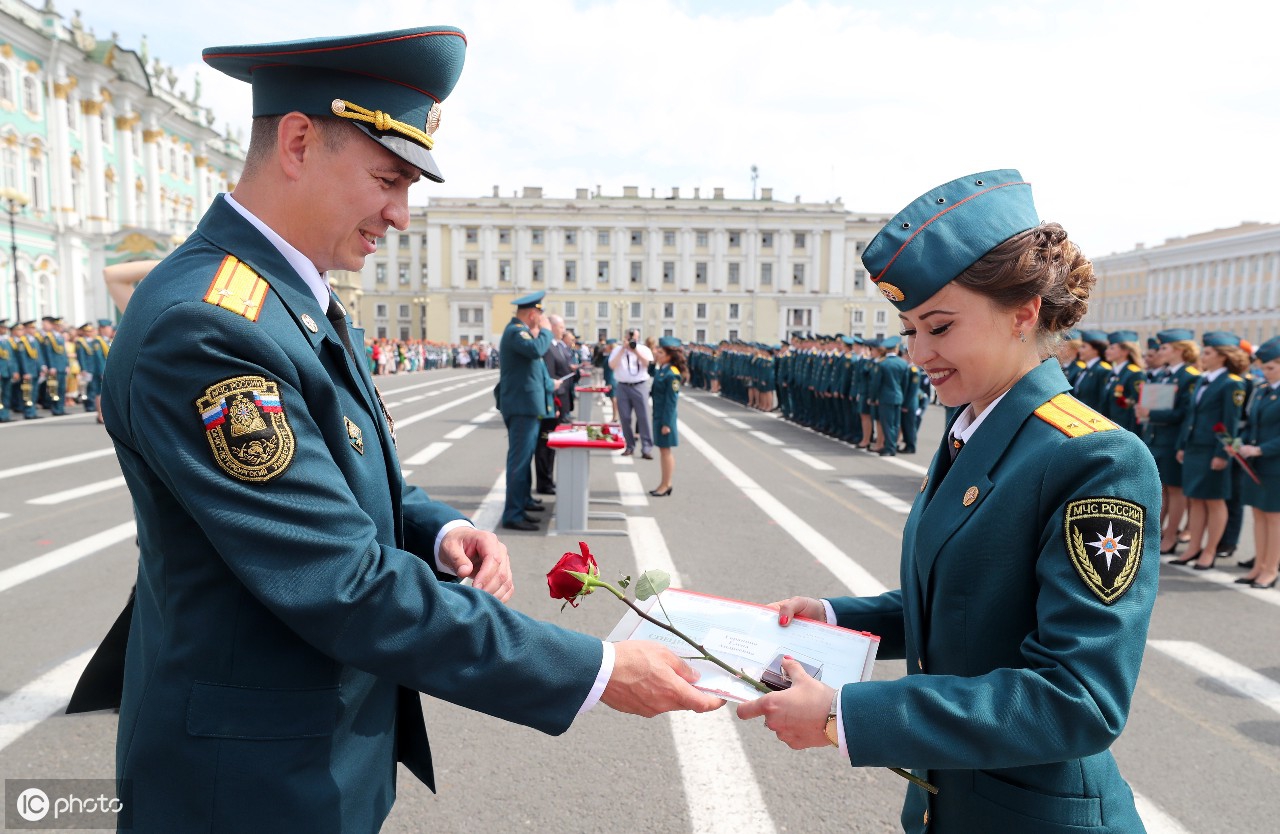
(966,425)
(301,263)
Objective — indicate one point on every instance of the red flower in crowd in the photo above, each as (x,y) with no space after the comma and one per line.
(564,585)
(1219,428)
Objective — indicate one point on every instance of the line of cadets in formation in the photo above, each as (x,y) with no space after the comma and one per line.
(861,391)
(47,365)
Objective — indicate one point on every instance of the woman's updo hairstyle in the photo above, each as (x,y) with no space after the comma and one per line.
(1038,262)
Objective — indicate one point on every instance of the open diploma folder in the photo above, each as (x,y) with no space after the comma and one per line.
(747,636)
(1158,396)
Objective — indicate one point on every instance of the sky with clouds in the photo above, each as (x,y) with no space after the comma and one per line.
(1134,120)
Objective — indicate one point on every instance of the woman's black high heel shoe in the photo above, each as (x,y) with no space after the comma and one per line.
(1172,550)
(1186,560)
(1209,566)
(656,494)
(1262,587)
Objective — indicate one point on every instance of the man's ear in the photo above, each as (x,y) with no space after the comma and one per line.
(296,138)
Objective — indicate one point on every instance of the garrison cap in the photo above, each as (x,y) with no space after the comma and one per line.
(1269,350)
(54,319)
(1071,335)
(389,84)
(668,342)
(1153,343)
(30,323)
(1177,334)
(1220,338)
(533,299)
(1119,337)
(891,342)
(1094,337)
(945,231)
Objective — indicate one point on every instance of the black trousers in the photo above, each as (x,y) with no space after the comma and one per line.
(544,457)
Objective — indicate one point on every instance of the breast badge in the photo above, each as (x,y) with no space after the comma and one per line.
(245,423)
(1104,542)
(354,435)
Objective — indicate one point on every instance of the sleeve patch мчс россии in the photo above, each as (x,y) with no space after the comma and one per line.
(1104,541)
(245,423)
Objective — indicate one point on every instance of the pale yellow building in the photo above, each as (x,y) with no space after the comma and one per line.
(703,267)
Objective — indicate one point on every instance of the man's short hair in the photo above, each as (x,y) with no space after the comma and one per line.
(334,133)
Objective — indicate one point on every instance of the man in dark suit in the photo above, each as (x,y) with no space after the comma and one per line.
(294,595)
(560,366)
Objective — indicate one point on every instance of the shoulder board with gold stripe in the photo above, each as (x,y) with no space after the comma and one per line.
(1072,417)
(1134,368)
(675,371)
(1105,364)
(237,288)
(1194,371)
(1235,378)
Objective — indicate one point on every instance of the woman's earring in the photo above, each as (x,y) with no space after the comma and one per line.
(1022,336)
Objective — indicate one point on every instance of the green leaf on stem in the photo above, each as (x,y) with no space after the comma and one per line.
(624,581)
(651,583)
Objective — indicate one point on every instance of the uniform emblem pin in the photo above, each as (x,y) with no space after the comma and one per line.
(970,495)
(310,323)
(924,483)
(354,435)
(890,292)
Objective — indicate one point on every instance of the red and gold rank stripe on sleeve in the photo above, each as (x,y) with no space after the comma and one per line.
(1072,417)
(237,288)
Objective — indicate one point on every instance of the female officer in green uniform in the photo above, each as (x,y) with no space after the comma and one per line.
(1029,559)
(1177,354)
(670,375)
(1262,448)
(1218,400)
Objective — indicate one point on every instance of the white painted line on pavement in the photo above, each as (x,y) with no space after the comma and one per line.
(79,492)
(714,412)
(49,464)
(1228,580)
(405,473)
(1223,670)
(489,514)
(1155,820)
(426,455)
(4,515)
(736,423)
(485,416)
(409,421)
(720,794)
(767,438)
(398,391)
(630,490)
(906,464)
(75,551)
(877,495)
(461,432)
(15,422)
(809,460)
(623,461)
(852,575)
(39,700)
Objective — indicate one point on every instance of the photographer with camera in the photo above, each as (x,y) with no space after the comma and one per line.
(630,362)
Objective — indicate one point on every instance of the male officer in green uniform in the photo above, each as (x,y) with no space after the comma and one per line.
(91,351)
(294,595)
(526,397)
(888,394)
(8,367)
(54,347)
(28,366)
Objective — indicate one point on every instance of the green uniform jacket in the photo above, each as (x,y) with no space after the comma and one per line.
(890,381)
(525,387)
(286,613)
(665,393)
(1020,675)
(1091,384)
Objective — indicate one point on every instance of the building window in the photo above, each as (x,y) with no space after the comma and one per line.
(734,269)
(700,272)
(735,240)
(637,237)
(31,95)
(602,309)
(403,311)
(382,331)
(380,311)
(173,161)
(859,317)
(766,275)
(733,312)
(636,274)
(799,238)
(473,270)
(602,272)
(881,318)
(403,273)
(471,234)
(6,82)
(73,110)
(700,240)
(9,161)
(667,331)
(571,309)
(424,273)
(35,177)
(404,332)
(504,270)
(766,240)
(859,278)
(504,236)
(570,238)
(464,315)
(797,275)
(571,272)
(404,241)
(668,238)
(636,310)
(535,236)
(537,270)
(700,310)
(668,310)
(668,272)
(477,315)
(700,335)
(733,334)
(602,237)
(380,273)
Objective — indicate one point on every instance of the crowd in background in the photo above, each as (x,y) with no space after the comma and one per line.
(391,356)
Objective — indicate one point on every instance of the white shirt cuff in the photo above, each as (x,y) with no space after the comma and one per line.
(831,612)
(444,531)
(844,748)
(602,678)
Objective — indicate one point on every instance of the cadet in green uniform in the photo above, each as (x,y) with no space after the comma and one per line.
(1029,561)
(1177,355)
(1069,356)
(1262,450)
(671,373)
(910,404)
(8,368)
(29,365)
(92,350)
(525,396)
(888,394)
(294,595)
(54,347)
(1090,386)
(1124,385)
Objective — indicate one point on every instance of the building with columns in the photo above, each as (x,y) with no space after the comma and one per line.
(101,159)
(1225,279)
(703,267)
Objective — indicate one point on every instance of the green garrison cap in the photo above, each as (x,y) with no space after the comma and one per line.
(104,322)
(1177,334)
(1094,336)
(945,231)
(668,342)
(1220,338)
(1071,335)
(533,299)
(1119,337)
(1269,350)
(389,84)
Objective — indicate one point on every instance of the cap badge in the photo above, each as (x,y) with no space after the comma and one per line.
(890,292)
(433,119)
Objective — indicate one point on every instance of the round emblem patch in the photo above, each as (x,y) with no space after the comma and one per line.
(245,424)
(309,322)
(1237,397)
(890,292)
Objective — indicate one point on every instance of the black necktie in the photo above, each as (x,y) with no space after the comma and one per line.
(954,446)
(338,318)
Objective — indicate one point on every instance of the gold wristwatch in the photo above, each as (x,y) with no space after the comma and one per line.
(832,729)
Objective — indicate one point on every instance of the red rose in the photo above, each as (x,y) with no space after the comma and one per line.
(564,585)
(1220,428)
